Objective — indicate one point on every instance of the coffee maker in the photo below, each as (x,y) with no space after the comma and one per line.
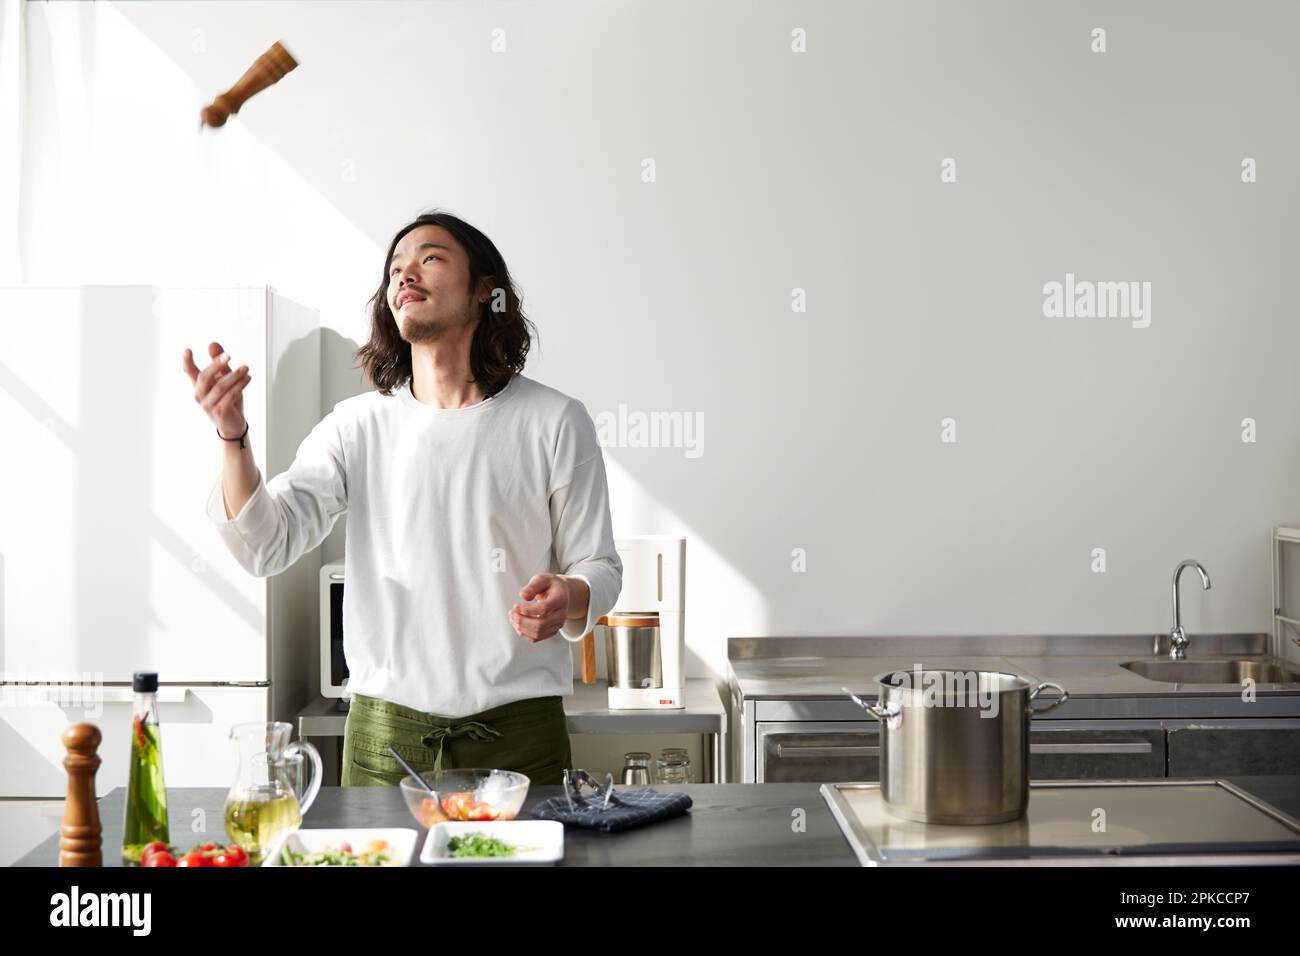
(645,633)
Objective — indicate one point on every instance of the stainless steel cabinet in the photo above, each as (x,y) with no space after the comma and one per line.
(819,751)
(1073,754)
(800,751)
(1235,747)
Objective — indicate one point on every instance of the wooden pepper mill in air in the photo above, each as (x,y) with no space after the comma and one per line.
(81,836)
(269,68)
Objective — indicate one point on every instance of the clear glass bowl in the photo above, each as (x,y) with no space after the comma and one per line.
(465,795)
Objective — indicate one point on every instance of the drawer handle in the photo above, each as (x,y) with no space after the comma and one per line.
(1138,747)
(784,750)
(88,695)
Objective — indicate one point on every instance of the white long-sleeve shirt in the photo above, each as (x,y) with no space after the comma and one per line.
(451,511)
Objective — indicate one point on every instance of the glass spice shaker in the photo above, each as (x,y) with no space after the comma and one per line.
(674,766)
(636,768)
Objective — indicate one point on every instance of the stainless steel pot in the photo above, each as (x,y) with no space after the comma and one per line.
(954,745)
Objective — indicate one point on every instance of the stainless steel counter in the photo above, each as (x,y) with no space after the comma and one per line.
(807,669)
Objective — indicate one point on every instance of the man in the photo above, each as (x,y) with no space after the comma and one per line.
(479,518)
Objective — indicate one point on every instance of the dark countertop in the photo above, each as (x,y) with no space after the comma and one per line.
(732,824)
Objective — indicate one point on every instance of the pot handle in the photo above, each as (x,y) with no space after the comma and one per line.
(1054,704)
(875,710)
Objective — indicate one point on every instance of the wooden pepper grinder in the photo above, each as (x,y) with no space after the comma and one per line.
(269,68)
(81,836)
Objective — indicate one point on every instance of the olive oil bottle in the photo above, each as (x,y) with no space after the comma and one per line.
(146,795)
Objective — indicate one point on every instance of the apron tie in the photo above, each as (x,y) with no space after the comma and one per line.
(475,729)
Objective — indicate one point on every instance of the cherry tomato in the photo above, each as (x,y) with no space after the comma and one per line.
(160,858)
(194,858)
(206,848)
(238,854)
(150,849)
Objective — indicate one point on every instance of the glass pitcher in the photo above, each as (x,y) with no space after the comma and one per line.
(274,787)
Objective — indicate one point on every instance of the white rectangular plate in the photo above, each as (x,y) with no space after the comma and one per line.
(401,839)
(545,836)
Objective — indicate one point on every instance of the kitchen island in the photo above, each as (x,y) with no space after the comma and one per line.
(732,824)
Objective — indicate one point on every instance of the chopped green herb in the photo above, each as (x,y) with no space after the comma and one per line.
(477,844)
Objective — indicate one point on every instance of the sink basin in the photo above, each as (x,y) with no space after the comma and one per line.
(1213,672)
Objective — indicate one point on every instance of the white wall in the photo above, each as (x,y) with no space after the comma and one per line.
(775,171)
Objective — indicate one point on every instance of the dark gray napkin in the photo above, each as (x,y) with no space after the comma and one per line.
(627,809)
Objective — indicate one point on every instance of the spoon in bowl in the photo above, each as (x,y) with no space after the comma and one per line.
(407,767)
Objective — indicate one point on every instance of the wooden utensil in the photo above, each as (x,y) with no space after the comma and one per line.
(589,657)
(269,68)
(81,837)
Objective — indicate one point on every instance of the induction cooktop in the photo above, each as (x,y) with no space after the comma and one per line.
(1080,823)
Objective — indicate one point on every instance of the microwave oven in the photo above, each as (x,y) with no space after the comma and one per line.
(333,665)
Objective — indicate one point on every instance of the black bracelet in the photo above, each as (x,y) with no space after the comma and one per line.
(240,439)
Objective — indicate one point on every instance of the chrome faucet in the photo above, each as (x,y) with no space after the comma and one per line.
(1177,637)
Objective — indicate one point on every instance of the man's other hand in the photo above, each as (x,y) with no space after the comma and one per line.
(546,607)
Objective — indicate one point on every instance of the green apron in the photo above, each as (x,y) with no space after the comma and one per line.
(528,736)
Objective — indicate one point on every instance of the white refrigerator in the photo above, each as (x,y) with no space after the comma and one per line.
(108,561)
